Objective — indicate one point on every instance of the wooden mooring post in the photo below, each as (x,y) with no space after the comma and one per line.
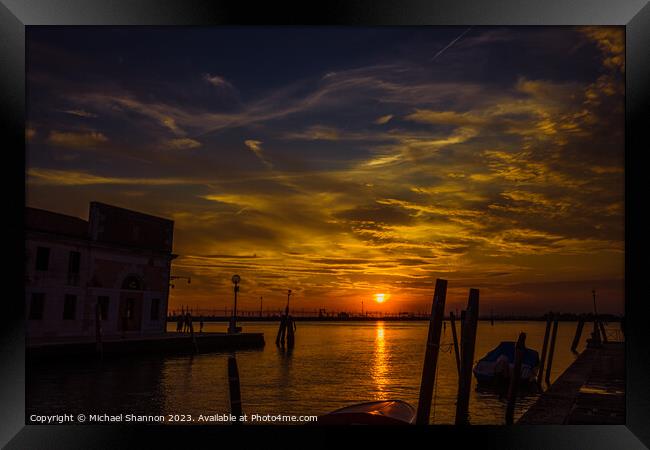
(233,388)
(291,332)
(468,343)
(279,339)
(595,340)
(461,327)
(452,320)
(515,378)
(602,331)
(194,343)
(542,361)
(431,352)
(551,351)
(98,331)
(576,338)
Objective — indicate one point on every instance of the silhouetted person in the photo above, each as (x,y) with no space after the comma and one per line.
(188,321)
(201,324)
(179,323)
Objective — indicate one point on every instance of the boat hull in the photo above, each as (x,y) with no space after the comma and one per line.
(498,365)
(384,412)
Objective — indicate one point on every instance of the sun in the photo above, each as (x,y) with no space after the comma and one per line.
(380,298)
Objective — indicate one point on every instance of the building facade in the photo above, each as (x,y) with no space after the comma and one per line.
(115,267)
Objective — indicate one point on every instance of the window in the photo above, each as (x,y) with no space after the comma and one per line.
(155,308)
(102,303)
(42,258)
(70,307)
(74,262)
(37,306)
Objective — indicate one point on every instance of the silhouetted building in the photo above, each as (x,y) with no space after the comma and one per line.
(118,261)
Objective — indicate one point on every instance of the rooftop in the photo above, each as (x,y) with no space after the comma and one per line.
(56,223)
(107,224)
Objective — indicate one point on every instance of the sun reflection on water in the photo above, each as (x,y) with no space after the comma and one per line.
(380,369)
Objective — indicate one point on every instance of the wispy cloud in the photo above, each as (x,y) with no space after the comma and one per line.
(80,113)
(383,119)
(256,147)
(316,133)
(53,177)
(78,140)
(452,42)
(182,144)
(216,80)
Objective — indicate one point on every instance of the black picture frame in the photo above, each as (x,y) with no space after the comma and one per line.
(15,15)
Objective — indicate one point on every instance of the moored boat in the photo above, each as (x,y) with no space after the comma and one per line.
(498,364)
(383,412)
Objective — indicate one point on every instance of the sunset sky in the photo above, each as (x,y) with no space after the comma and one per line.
(346,162)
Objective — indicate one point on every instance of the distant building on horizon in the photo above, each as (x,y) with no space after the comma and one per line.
(119,261)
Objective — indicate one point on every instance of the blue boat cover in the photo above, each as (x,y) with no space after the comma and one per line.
(507,348)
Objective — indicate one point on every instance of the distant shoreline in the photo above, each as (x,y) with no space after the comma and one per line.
(561,318)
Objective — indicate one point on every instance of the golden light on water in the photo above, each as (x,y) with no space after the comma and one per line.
(380,369)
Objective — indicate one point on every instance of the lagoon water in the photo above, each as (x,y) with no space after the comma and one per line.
(333,364)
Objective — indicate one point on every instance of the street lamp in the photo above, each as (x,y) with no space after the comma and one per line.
(288,297)
(233,320)
(596,333)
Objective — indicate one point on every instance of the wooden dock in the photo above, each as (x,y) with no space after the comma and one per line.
(590,392)
(166,343)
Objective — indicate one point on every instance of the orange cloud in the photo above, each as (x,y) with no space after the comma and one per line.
(182,144)
(88,139)
(611,42)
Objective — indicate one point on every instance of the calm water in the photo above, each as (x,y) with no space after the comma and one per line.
(332,365)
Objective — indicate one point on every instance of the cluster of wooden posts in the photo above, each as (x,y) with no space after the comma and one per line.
(287,329)
(464,357)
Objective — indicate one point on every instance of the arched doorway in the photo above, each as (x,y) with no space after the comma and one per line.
(131,300)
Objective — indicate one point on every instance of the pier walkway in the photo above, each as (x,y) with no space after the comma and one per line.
(590,391)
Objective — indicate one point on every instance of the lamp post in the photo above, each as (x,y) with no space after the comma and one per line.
(595,335)
(288,297)
(233,320)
